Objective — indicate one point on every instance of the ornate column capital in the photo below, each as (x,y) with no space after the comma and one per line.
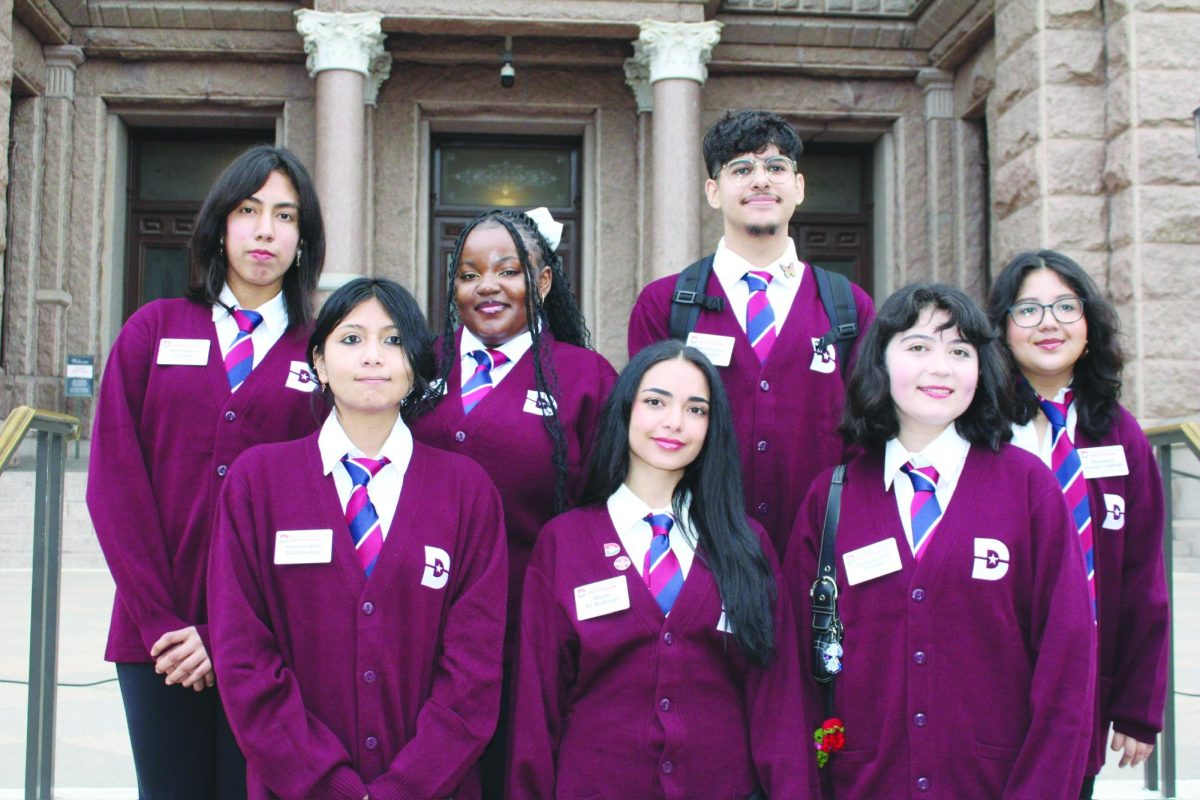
(637,75)
(678,49)
(335,40)
(61,63)
(939,93)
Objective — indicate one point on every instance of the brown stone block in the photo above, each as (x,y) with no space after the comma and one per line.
(1121,227)
(1169,214)
(1076,222)
(1020,231)
(1168,156)
(1165,96)
(1075,56)
(1120,280)
(1074,166)
(1172,386)
(1018,129)
(1015,184)
(1016,22)
(1073,13)
(1075,112)
(1169,40)
(1119,105)
(1170,271)
(1017,76)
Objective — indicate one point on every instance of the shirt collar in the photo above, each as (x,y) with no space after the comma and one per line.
(730,267)
(333,444)
(274,311)
(627,510)
(946,454)
(514,348)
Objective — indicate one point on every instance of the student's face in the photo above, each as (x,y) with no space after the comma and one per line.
(759,206)
(932,374)
(261,236)
(364,362)
(1047,352)
(489,287)
(669,419)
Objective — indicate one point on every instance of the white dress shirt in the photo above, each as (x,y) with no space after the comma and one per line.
(264,336)
(1026,436)
(947,454)
(781,291)
(628,513)
(514,348)
(383,489)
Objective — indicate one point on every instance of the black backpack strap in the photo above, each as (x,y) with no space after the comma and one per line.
(838,299)
(689,298)
(826,625)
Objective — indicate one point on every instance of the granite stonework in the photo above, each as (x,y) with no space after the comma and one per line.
(1038,123)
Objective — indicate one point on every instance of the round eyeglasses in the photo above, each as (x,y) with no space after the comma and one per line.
(778,169)
(1029,315)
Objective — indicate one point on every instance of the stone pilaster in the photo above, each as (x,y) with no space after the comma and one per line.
(938,86)
(637,76)
(676,53)
(347,58)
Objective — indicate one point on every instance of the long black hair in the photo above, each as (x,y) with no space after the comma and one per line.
(240,180)
(558,311)
(410,324)
(1096,379)
(713,482)
(870,417)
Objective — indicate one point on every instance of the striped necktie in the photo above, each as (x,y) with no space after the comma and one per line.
(480,384)
(1065,463)
(361,518)
(760,318)
(661,569)
(240,358)
(925,511)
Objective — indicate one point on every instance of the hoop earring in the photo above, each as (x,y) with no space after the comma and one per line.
(298,252)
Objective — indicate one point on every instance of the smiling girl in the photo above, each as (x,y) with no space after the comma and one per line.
(959,579)
(191,383)
(1062,333)
(658,655)
(357,581)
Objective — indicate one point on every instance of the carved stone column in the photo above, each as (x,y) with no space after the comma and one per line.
(347,58)
(940,149)
(676,54)
(52,296)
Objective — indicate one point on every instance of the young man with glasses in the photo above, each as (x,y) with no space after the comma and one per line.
(786,391)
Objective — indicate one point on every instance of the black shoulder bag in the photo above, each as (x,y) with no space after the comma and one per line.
(826,625)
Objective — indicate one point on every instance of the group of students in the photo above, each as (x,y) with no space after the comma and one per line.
(355,561)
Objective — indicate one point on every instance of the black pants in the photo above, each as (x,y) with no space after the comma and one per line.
(183,748)
(1089,785)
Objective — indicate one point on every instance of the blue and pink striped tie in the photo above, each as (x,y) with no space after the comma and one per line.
(361,518)
(760,318)
(480,384)
(240,358)
(1064,461)
(661,569)
(925,511)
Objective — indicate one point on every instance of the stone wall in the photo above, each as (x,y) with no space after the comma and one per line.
(6,83)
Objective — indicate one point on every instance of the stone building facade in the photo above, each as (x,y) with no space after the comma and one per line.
(984,127)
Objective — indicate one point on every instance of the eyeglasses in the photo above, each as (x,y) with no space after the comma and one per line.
(778,169)
(1029,315)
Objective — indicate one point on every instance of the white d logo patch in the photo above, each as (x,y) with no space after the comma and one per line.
(1114,512)
(991,560)
(823,360)
(437,567)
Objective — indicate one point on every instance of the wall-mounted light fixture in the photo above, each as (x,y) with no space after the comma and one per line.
(508,75)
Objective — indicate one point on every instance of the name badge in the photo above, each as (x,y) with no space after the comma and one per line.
(301,378)
(871,562)
(717,349)
(539,403)
(602,597)
(183,352)
(1103,462)
(304,547)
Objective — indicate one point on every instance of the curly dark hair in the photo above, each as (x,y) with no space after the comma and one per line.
(870,417)
(741,132)
(558,311)
(1096,380)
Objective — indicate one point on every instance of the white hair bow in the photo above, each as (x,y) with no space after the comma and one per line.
(546,225)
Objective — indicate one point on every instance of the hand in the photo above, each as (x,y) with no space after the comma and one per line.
(180,655)
(1135,752)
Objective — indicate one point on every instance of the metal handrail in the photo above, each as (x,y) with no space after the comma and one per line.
(53,432)
(1162,438)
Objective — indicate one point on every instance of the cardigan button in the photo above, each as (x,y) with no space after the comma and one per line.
(766,387)
(460,436)
(762,446)
(368,608)
(918,595)
(668,767)
(668,639)
(919,657)
(762,509)
(919,720)
(230,416)
(371,743)
(221,470)
(369,676)
(922,784)
(664,704)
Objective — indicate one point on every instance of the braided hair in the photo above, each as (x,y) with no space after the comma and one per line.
(558,311)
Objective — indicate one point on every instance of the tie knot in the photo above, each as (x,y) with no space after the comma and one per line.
(246,321)
(924,479)
(489,359)
(660,524)
(363,469)
(757,280)
(1056,413)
